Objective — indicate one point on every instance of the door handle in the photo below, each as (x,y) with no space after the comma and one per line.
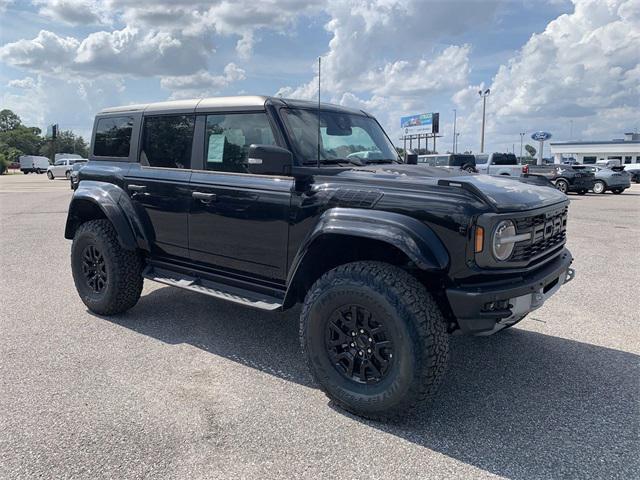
(204,197)
(136,188)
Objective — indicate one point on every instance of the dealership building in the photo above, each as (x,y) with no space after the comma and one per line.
(625,150)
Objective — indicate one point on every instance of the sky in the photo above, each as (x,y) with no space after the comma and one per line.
(571,68)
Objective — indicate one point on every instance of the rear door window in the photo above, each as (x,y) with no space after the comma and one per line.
(167,141)
(113,137)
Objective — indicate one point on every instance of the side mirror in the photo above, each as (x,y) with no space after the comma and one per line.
(269,160)
(412,158)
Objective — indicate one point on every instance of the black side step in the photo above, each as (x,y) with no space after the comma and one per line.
(213,289)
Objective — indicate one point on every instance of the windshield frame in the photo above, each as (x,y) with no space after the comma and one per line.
(299,158)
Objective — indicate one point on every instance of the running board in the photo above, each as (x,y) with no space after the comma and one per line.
(213,289)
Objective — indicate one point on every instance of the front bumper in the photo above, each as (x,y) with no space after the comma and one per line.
(488,308)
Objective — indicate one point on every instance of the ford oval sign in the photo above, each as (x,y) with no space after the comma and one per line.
(541,136)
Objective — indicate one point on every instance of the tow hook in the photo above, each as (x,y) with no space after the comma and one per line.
(571,273)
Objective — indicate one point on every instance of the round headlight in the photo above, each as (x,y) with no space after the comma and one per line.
(503,240)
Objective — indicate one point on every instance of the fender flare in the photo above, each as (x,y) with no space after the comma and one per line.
(115,205)
(412,237)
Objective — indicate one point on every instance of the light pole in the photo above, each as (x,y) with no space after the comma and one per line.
(455,149)
(522,134)
(454,130)
(484,96)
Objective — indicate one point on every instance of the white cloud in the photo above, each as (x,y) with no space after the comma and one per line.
(584,67)
(74,12)
(47,52)
(202,83)
(26,83)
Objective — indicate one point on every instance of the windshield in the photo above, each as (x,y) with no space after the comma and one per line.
(343,136)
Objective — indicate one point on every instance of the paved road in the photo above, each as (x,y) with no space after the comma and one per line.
(184,386)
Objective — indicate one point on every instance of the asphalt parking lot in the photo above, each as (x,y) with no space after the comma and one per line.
(184,386)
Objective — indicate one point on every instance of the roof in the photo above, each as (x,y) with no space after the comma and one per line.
(247,102)
(602,142)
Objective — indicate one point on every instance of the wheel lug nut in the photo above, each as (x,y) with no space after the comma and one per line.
(360,353)
(368,350)
(353,344)
(370,339)
(353,334)
(391,355)
(361,331)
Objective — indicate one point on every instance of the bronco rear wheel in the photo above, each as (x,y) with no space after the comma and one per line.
(108,277)
(374,338)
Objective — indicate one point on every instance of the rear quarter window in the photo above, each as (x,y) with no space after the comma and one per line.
(505,159)
(113,137)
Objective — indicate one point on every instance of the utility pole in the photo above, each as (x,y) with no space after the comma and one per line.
(570,129)
(522,134)
(484,95)
(454,130)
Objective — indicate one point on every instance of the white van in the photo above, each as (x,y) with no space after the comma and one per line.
(33,163)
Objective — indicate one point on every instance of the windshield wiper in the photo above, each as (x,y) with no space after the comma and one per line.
(337,161)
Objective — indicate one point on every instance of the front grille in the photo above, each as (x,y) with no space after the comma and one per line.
(548,231)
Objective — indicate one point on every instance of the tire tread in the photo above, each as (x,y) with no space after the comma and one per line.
(415,306)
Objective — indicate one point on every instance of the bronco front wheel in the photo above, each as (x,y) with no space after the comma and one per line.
(374,338)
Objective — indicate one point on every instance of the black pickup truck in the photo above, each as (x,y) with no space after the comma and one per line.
(268,202)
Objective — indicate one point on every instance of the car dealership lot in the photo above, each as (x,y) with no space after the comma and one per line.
(184,386)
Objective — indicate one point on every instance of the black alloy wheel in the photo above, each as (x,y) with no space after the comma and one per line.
(94,269)
(359,345)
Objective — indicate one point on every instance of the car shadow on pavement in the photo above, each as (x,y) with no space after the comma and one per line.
(518,404)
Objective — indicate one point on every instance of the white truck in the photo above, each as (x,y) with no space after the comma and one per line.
(33,163)
(498,164)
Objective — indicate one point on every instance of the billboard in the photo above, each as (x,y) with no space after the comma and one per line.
(420,124)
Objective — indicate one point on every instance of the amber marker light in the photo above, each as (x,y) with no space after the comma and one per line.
(479,239)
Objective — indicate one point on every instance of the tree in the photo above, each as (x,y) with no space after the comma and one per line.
(25,139)
(9,120)
(530,150)
(4,164)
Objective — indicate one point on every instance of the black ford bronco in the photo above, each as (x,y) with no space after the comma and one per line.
(268,202)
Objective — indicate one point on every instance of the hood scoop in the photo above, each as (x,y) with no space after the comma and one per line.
(346,197)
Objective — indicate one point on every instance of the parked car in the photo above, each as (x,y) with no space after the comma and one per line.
(33,164)
(498,164)
(74,179)
(453,161)
(566,178)
(62,167)
(266,212)
(613,179)
(573,178)
(633,169)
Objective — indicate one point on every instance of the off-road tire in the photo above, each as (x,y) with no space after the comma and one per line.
(599,184)
(50,175)
(563,186)
(124,280)
(420,340)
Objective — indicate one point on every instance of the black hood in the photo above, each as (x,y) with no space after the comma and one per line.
(502,193)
